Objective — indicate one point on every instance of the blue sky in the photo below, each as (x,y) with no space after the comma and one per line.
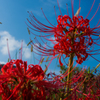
(13,14)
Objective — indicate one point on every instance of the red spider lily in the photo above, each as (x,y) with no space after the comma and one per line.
(20,79)
(19,82)
(5,92)
(71,35)
(93,98)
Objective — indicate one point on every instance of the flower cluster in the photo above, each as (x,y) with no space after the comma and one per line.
(16,81)
(19,82)
(71,36)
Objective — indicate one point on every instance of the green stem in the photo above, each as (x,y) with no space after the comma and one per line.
(69,74)
(70,67)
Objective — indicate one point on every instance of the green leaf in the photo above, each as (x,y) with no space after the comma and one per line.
(28,30)
(42,60)
(96,67)
(78,11)
(30,42)
(89,70)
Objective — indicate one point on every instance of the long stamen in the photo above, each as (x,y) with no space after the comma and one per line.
(95,13)
(42,55)
(72,7)
(59,7)
(8,50)
(46,18)
(67,9)
(90,9)
(21,48)
(97,23)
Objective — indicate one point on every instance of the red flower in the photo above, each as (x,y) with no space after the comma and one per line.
(18,80)
(71,35)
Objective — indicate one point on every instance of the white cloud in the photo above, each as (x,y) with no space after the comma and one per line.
(2,62)
(13,45)
(52,2)
(62,3)
(53,42)
(26,53)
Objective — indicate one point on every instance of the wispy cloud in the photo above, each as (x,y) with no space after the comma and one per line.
(2,62)
(49,2)
(14,45)
(62,3)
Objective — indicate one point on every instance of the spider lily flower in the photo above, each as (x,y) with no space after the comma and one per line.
(5,92)
(22,82)
(72,35)
(19,79)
